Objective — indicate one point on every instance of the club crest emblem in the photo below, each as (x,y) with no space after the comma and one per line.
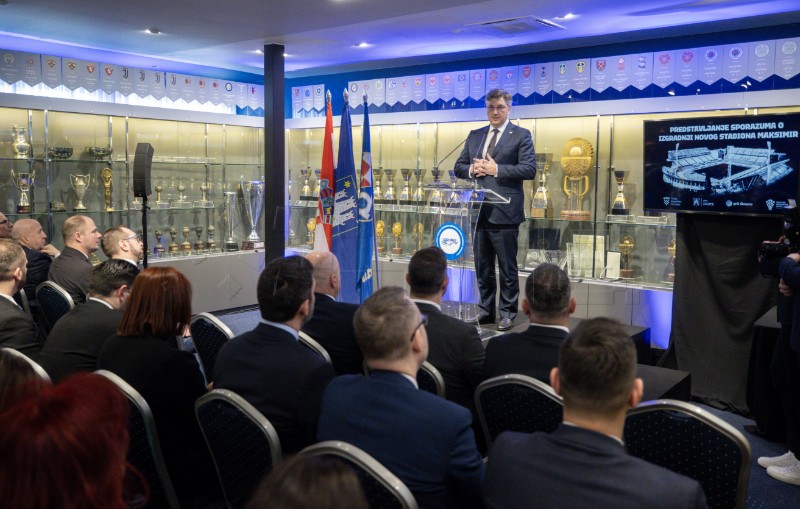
(90,68)
(432,81)
(526,71)
(580,66)
(666,200)
(711,55)
(664,58)
(687,56)
(187,82)
(108,70)
(493,76)
(8,58)
(354,87)
(51,63)
(600,65)
(735,53)
(142,75)
(72,65)
(228,86)
(562,69)
(621,64)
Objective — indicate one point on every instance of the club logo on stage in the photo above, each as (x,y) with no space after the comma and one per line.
(109,70)
(526,71)
(666,200)
(90,68)
(621,64)
(735,53)
(72,65)
(789,47)
(580,66)
(378,84)
(641,62)
(664,58)
(770,204)
(696,202)
(451,239)
(601,65)
(228,86)
(711,55)
(51,62)
(493,76)
(762,50)
(432,81)
(143,76)
(462,77)
(562,69)
(509,75)
(728,203)
(687,56)
(447,79)
(477,76)
(8,58)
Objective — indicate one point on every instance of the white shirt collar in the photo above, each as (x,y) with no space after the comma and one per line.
(101,301)
(559,327)
(411,379)
(10,298)
(282,326)
(429,302)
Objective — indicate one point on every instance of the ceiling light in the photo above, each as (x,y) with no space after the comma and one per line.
(260,51)
(153,30)
(568,15)
(362,45)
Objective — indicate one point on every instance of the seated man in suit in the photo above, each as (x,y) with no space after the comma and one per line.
(17,329)
(534,352)
(6,227)
(332,323)
(423,439)
(72,270)
(455,348)
(76,339)
(583,463)
(121,243)
(31,236)
(268,367)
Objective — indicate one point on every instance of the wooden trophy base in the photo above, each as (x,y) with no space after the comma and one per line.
(575,215)
(397,250)
(541,213)
(626,273)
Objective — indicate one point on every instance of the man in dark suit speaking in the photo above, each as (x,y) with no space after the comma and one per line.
(500,156)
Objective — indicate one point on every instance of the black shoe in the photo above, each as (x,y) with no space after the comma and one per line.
(505,324)
(481,320)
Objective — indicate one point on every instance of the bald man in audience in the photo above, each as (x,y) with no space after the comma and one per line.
(17,329)
(122,243)
(332,322)
(6,226)
(33,239)
(72,270)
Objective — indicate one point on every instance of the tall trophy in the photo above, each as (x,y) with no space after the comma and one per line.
(204,202)
(318,183)
(211,244)
(305,191)
(672,249)
(186,246)
(23,182)
(80,183)
(181,202)
(230,208)
(405,193)
(436,194)
(105,177)
(389,194)
(419,232)
(541,205)
(159,249)
(397,231)
(311,226)
(160,203)
(377,173)
(576,159)
(199,244)
(20,144)
(620,205)
(380,231)
(419,193)
(253,193)
(173,246)
(626,247)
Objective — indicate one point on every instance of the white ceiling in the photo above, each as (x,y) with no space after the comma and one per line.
(320,36)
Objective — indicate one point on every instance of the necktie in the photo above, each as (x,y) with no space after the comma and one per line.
(490,150)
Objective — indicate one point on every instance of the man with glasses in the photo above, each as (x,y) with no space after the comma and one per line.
(423,439)
(500,158)
(6,227)
(121,243)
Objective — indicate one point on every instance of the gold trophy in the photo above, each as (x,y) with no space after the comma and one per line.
(380,231)
(419,193)
(105,178)
(436,194)
(620,205)
(576,159)
(672,249)
(186,246)
(377,194)
(211,244)
(318,175)
(199,245)
(305,191)
(181,202)
(159,250)
(405,194)
(24,182)
(397,231)
(311,225)
(80,183)
(389,195)
(20,144)
(419,231)
(541,205)
(160,204)
(173,246)
(204,202)
(626,247)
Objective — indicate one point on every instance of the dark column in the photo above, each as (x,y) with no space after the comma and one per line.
(274,156)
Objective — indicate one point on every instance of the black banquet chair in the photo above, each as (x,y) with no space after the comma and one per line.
(144,452)
(383,489)
(243,443)
(39,370)
(688,440)
(208,334)
(516,403)
(54,302)
(430,380)
(313,345)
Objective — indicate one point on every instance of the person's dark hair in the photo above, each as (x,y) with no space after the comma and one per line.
(427,271)
(16,376)
(283,286)
(160,304)
(597,366)
(65,446)
(110,275)
(498,93)
(309,482)
(384,324)
(547,290)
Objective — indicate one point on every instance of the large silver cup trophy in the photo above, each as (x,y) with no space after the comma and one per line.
(253,193)
(24,182)
(230,208)
(80,183)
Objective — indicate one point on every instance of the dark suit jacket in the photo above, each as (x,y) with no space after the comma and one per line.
(789,307)
(455,349)
(18,331)
(578,468)
(332,326)
(281,378)
(424,440)
(72,271)
(76,339)
(533,352)
(516,162)
(170,381)
(38,267)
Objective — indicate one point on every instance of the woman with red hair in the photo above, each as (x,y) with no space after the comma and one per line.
(146,354)
(65,446)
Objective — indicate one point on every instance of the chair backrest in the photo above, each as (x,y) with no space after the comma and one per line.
(429,379)
(54,302)
(383,489)
(22,299)
(688,440)
(40,372)
(311,343)
(242,442)
(144,452)
(208,334)
(516,403)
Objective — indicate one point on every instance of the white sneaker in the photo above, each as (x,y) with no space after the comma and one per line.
(790,474)
(784,460)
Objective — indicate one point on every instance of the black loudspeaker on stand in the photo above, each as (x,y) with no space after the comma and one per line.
(142,162)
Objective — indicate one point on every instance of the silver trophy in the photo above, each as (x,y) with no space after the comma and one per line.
(23,182)
(253,193)
(230,207)
(20,143)
(80,183)
(419,193)
(436,194)
(318,175)
(377,194)
(405,193)
(389,194)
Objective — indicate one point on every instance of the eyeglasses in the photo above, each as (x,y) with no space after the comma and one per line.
(136,236)
(5,221)
(498,109)
(423,321)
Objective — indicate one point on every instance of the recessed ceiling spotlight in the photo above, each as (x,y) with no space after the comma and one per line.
(568,15)
(285,55)
(260,51)
(154,67)
(153,30)
(362,45)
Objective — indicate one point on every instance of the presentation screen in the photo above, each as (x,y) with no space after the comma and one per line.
(741,165)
